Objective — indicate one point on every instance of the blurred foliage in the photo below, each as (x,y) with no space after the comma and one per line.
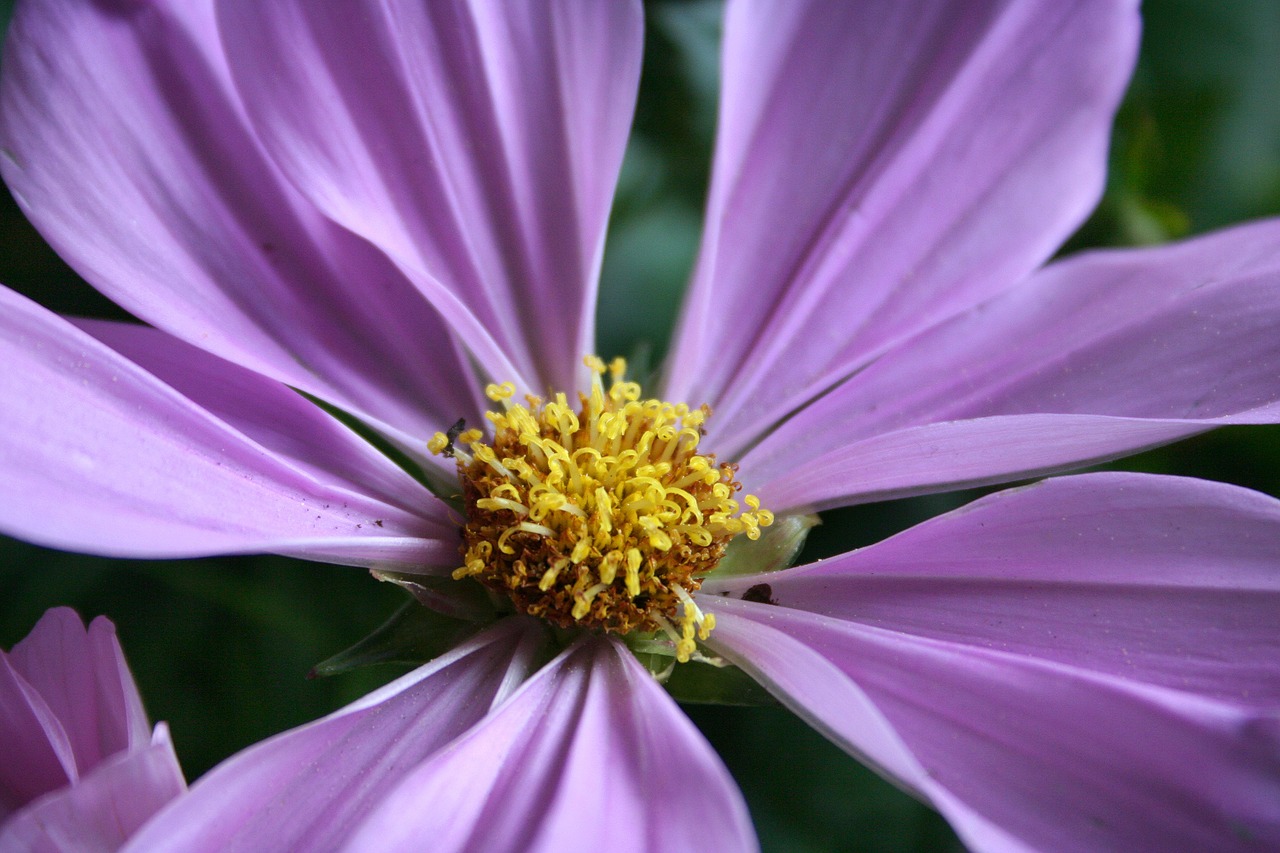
(221,647)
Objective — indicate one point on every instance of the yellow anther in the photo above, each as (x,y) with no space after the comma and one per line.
(502,503)
(567,423)
(540,530)
(609,566)
(549,576)
(438,443)
(660,540)
(634,560)
(473,567)
(502,540)
(498,393)
(485,454)
(507,490)
(568,507)
(693,621)
(699,536)
(604,509)
(582,603)
(628,391)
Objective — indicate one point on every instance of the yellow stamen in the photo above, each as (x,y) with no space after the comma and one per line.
(438,443)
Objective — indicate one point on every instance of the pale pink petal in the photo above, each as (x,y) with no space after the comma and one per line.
(590,755)
(80,770)
(1092,358)
(107,805)
(126,145)
(477,143)
(83,678)
(311,787)
(38,754)
(109,459)
(1089,663)
(879,167)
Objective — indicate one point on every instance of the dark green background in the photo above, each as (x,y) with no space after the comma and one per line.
(220,646)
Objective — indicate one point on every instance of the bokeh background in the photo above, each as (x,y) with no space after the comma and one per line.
(220,647)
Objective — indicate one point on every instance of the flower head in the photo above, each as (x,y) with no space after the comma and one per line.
(393,208)
(607,518)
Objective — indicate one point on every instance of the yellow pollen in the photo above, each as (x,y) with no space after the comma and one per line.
(605,517)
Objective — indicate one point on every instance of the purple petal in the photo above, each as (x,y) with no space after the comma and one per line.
(110,460)
(942,456)
(104,808)
(879,167)
(590,755)
(815,688)
(1092,358)
(126,145)
(1165,580)
(477,143)
(273,415)
(311,787)
(1024,753)
(1088,663)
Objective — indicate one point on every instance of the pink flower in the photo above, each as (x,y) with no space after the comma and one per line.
(81,768)
(387,206)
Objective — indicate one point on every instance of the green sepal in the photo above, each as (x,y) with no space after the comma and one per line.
(699,683)
(413,635)
(464,599)
(777,547)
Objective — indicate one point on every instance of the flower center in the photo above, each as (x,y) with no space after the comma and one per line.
(604,517)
